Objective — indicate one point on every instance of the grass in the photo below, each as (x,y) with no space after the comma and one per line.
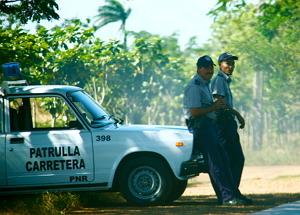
(46,203)
(287,154)
(56,203)
(285,177)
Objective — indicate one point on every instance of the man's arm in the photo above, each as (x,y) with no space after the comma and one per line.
(217,105)
(239,117)
(233,111)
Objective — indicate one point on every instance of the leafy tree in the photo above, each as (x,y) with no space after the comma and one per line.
(225,6)
(68,52)
(50,56)
(142,85)
(113,11)
(34,10)
(276,14)
(270,65)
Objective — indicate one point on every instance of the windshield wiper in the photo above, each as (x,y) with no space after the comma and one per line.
(110,117)
(99,117)
(116,119)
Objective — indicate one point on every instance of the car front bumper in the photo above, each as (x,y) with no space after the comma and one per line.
(193,167)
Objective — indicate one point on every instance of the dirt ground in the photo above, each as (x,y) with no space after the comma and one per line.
(255,180)
(268,186)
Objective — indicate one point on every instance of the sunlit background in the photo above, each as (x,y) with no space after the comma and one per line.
(138,70)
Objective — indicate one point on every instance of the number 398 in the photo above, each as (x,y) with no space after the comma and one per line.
(103,138)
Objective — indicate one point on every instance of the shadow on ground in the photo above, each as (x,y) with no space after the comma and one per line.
(113,204)
(185,205)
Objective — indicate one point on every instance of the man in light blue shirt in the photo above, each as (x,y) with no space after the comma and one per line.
(200,110)
(227,133)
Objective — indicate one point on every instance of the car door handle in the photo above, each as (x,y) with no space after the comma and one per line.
(17,140)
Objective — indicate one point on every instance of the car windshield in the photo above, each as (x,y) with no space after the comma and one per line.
(91,111)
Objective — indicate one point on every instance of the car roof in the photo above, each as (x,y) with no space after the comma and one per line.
(40,89)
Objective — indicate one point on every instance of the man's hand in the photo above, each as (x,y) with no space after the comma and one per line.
(239,117)
(241,121)
(219,104)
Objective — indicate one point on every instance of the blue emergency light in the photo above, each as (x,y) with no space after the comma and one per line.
(11,71)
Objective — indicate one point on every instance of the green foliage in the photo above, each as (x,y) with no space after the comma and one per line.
(113,11)
(34,10)
(224,6)
(50,56)
(266,84)
(135,83)
(277,59)
(275,15)
(142,85)
(46,203)
(274,154)
(57,203)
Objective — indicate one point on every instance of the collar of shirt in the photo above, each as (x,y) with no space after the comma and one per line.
(223,74)
(200,80)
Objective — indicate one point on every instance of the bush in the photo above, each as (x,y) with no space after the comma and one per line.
(56,203)
(46,203)
(273,154)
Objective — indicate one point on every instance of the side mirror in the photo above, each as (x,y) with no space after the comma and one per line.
(75,124)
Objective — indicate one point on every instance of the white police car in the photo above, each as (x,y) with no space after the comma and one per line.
(57,138)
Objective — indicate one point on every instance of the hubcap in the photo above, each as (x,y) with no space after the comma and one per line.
(144,182)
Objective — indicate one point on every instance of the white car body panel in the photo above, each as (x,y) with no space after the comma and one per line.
(133,139)
(48,157)
(102,149)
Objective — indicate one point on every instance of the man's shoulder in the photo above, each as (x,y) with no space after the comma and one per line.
(195,81)
(219,78)
(193,86)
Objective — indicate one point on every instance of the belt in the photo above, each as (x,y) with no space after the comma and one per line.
(197,122)
(225,115)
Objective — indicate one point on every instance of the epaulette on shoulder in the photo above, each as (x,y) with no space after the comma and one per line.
(197,81)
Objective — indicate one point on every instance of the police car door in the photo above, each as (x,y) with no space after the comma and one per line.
(2,146)
(47,143)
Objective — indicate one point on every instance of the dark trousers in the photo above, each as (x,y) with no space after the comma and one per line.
(229,138)
(205,133)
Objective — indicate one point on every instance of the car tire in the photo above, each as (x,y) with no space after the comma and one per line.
(146,181)
(178,190)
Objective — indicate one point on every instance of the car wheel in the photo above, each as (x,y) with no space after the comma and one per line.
(146,181)
(178,190)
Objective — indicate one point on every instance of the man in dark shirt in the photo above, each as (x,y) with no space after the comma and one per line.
(227,133)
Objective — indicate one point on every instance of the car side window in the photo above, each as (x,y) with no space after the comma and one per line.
(41,113)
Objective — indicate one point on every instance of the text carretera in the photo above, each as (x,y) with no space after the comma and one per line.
(58,164)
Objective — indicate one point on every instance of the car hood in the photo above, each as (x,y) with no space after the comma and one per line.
(153,128)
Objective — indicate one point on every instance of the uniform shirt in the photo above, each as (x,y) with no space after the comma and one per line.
(197,95)
(220,85)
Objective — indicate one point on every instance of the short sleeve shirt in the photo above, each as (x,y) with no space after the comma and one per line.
(197,95)
(220,85)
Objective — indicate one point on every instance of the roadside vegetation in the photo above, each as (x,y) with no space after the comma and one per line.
(47,203)
(56,203)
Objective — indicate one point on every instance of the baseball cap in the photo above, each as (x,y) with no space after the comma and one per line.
(205,61)
(227,56)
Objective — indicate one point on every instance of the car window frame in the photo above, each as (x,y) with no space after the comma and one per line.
(7,116)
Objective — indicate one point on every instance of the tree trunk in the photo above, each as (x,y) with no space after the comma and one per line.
(257,111)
